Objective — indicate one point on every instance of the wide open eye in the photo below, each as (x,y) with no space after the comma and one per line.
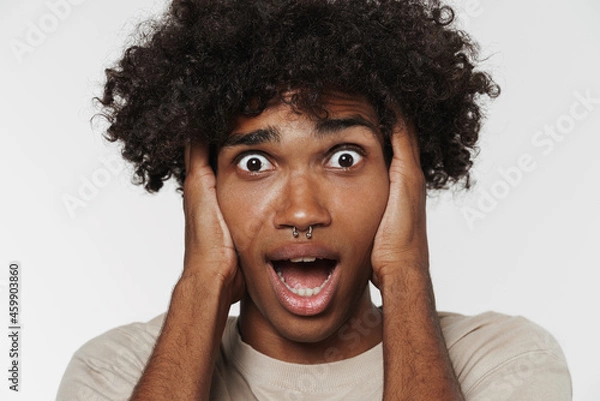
(344,158)
(254,163)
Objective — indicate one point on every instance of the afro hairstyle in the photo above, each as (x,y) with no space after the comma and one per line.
(194,69)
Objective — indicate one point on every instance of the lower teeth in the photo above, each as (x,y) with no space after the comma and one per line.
(304,292)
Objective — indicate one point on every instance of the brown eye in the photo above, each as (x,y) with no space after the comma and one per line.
(346,160)
(254,163)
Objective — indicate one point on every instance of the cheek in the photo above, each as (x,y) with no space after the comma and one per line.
(372,206)
(245,211)
(372,194)
(360,208)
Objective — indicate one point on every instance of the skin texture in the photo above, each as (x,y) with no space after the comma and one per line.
(304,185)
(244,215)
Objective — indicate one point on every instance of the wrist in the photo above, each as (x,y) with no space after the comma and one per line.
(203,287)
(403,276)
(219,278)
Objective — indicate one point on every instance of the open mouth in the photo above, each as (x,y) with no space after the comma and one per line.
(304,276)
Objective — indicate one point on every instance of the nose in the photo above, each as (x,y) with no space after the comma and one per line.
(303,204)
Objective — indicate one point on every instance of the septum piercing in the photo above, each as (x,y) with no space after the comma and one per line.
(308,233)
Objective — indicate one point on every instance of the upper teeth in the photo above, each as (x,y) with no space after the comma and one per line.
(302,259)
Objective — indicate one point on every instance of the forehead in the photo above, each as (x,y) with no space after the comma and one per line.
(337,105)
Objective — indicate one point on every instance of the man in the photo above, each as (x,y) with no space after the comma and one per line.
(304,135)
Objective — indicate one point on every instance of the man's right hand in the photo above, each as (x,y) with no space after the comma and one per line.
(182,362)
(209,250)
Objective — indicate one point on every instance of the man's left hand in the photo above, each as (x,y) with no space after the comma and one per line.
(401,239)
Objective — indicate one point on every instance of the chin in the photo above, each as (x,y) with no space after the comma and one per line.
(310,331)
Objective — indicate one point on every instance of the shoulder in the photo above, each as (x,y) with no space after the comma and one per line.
(498,357)
(108,366)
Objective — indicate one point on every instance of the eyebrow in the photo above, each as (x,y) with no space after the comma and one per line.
(269,134)
(323,128)
(334,125)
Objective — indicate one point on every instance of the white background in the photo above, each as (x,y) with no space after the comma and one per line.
(532,253)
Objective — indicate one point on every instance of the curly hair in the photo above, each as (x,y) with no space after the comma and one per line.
(205,62)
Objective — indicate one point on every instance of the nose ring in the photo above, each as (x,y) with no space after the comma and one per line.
(308,233)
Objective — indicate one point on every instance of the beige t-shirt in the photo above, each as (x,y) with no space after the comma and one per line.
(495,357)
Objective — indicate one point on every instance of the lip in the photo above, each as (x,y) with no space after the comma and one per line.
(294,303)
(302,250)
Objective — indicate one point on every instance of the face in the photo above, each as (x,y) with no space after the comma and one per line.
(282,170)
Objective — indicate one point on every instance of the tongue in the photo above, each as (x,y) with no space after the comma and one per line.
(304,275)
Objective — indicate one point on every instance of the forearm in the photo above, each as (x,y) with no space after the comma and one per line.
(183,359)
(416,361)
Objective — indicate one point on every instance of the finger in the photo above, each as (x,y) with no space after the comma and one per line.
(196,157)
(199,185)
(405,146)
(407,181)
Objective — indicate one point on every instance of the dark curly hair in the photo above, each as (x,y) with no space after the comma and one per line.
(205,62)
